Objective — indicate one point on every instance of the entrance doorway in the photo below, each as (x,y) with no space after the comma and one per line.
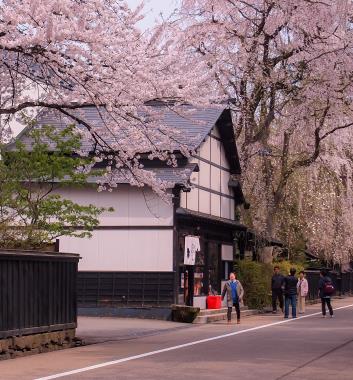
(205,276)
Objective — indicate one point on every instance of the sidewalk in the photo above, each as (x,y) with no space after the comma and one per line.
(94,330)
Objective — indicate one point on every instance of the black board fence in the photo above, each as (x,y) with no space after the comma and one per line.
(343,283)
(37,292)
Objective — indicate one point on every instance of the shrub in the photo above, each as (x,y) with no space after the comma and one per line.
(256,280)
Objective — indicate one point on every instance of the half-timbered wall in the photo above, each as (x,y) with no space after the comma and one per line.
(210,193)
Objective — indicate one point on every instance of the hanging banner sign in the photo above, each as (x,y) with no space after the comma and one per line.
(192,245)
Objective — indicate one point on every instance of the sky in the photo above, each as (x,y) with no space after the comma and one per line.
(153,9)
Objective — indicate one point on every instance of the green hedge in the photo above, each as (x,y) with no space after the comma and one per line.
(256,280)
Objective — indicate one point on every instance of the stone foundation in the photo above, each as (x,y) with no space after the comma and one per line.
(18,346)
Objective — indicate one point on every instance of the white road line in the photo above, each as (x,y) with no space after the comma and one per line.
(173,348)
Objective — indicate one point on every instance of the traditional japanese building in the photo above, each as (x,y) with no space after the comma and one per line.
(135,258)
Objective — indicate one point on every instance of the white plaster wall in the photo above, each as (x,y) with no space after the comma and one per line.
(215,151)
(205,201)
(224,182)
(215,178)
(132,206)
(204,174)
(225,207)
(205,149)
(194,178)
(215,205)
(123,250)
(193,199)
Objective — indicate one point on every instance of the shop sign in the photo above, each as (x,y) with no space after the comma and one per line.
(192,246)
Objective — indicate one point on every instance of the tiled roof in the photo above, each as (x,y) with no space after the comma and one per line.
(191,124)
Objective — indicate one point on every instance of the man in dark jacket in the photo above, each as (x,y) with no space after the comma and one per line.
(325,283)
(276,288)
(290,293)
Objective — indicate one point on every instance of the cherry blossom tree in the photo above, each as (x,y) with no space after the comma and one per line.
(286,68)
(68,55)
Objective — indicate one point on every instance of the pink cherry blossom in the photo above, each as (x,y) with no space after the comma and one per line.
(286,67)
(66,55)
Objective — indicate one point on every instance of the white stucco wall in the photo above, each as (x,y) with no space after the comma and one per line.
(123,250)
(132,206)
(124,244)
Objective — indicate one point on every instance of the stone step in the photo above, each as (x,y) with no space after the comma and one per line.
(204,312)
(222,316)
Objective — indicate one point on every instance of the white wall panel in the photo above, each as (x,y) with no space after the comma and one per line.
(150,250)
(112,249)
(193,200)
(215,178)
(215,205)
(224,182)
(194,178)
(205,149)
(205,201)
(146,208)
(215,151)
(225,207)
(204,174)
(123,250)
(132,206)
(87,248)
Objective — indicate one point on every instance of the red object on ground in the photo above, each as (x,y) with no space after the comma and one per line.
(214,302)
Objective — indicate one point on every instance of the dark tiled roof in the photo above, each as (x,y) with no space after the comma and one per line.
(190,124)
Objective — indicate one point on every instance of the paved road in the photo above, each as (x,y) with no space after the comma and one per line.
(263,347)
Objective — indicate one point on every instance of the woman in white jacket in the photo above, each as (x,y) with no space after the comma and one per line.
(303,289)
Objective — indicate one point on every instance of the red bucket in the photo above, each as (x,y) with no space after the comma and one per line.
(214,302)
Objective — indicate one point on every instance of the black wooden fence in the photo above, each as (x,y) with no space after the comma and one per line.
(125,289)
(343,283)
(37,292)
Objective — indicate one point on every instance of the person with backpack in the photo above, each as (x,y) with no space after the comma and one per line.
(290,293)
(326,290)
(303,289)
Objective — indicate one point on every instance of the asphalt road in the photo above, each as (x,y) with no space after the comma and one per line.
(262,347)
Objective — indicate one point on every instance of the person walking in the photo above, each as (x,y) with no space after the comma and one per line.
(326,290)
(290,293)
(303,289)
(235,293)
(277,289)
